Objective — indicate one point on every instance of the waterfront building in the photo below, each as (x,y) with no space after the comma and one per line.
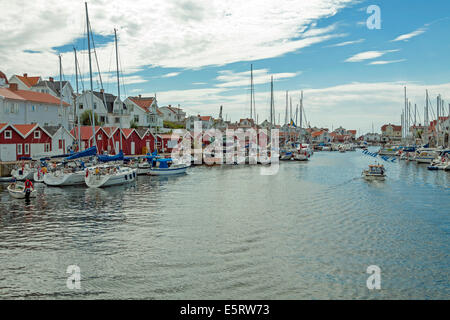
(391,132)
(28,107)
(25,82)
(147,141)
(108,107)
(62,140)
(23,140)
(144,112)
(207,122)
(173,114)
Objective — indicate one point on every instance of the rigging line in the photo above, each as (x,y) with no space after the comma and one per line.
(98,66)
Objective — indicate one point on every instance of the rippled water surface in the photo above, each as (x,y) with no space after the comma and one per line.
(308,232)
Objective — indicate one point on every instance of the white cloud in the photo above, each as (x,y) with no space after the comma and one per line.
(170,75)
(378,62)
(352,105)
(228,78)
(406,37)
(367,55)
(346,43)
(164,33)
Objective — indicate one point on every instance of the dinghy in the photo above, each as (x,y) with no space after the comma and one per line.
(18,191)
(375,172)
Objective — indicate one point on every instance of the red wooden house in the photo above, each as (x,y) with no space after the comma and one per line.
(147,142)
(130,141)
(166,142)
(87,140)
(23,140)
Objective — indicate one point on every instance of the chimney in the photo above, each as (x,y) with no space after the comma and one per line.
(140,96)
(13,87)
(25,75)
(51,79)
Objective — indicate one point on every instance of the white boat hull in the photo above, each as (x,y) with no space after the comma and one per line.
(38,177)
(19,193)
(60,179)
(122,176)
(424,159)
(26,174)
(167,171)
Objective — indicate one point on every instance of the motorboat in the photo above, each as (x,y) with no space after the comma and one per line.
(426,156)
(18,191)
(166,167)
(39,174)
(388,151)
(375,172)
(106,175)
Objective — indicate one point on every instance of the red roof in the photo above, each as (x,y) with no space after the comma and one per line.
(316,134)
(127,132)
(110,130)
(86,132)
(205,118)
(144,103)
(352,131)
(3,125)
(33,96)
(29,81)
(394,127)
(25,129)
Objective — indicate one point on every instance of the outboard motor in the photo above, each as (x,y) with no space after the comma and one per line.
(27,194)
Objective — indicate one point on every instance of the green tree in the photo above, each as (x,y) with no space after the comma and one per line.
(86,116)
(133,125)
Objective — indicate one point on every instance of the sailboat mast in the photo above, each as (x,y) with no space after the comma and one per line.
(271,102)
(251,91)
(76,99)
(90,75)
(118,85)
(301,110)
(60,92)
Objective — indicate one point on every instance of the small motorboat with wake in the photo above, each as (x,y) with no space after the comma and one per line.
(375,172)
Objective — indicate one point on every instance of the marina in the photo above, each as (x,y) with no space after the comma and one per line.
(220,150)
(159,238)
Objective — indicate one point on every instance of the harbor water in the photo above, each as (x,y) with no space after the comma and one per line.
(308,232)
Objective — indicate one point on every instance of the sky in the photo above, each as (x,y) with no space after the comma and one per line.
(198,53)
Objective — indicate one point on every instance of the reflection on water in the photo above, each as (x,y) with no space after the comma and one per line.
(227,232)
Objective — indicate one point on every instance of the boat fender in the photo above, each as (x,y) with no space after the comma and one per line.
(87,173)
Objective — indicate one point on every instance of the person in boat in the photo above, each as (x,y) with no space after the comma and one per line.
(13,182)
(97,171)
(28,185)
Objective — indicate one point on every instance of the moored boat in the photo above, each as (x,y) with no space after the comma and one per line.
(166,167)
(109,175)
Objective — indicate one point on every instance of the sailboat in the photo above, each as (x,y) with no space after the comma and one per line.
(105,175)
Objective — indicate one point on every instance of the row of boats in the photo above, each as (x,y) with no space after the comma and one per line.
(437,158)
(88,168)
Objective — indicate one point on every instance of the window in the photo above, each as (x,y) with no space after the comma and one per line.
(46,124)
(47,147)
(37,134)
(8,134)
(99,137)
(102,119)
(116,120)
(95,106)
(60,144)
(19,149)
(80,106)
(27,149)
(16,108)
(136,118)
(131,107)
(46,108)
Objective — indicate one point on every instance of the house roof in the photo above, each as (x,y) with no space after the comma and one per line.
(109,99)
(141,132)
(316,134)
(2,126)
(28,81)
(86,132)
(54,85)
(51,130)
(25,129)
(394,127)
(127,132)
(205,118)
(142,102)
(352,131)
(33,96)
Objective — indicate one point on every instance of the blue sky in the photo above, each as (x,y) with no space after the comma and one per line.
(199,53)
